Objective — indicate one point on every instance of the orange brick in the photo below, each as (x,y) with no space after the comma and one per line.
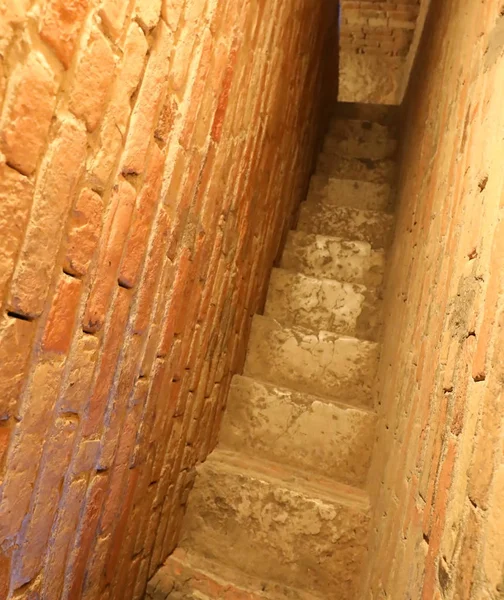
(171,12)
(59,327)
(60,26)
(113,13)
(82,362)
(149,102)
(36,533)
(27,112)
(16,338)
(148,12)
(220,113)
(87,527)
(84,232)
(115,121)
(111,349)
(152,272)
(53,197)
(16,192)
(175,304)
(61,539)
(27,444)
(93,74)
(144,210)
(115,233)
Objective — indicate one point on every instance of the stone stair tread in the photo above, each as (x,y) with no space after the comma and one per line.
(359,139)
(318,303)
(278,524)
(274,422)
(333,257)
(361,168)
(305,483)
(360,127)
(190,576)
(371,226)
(326,363)
(363,195)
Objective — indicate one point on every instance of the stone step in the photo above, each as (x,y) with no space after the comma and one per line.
(321,363)
(347,223)
(333,258)
(278,524)
(377,113)
(187,576)
(296,300)
(360,139)
(305,431)
(362,169)
(363,195)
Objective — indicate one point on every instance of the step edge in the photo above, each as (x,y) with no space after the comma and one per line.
(293,232)
(388,215)
(305,330)
(363,287)
(325,489)
(211,569)
(316,397)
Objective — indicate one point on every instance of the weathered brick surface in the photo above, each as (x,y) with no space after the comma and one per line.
(151,156)
(437,472)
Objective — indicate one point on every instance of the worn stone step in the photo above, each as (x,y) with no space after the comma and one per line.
(189,576)
(377,113)
(360,139)
(363,195)
(362,169)
(333,258)
(298,429)
(347,223)
(278,524)
(297,300)
(322,363)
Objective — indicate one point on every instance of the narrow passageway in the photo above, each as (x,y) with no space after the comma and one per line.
(280,508)
(251,300)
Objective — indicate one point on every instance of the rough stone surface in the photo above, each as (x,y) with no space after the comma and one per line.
(305,532)
(304,431)
(320,362)
(348,223)
(193,577)
(322,304)
(363,195)
(363,169)
(360,139)
(333,258)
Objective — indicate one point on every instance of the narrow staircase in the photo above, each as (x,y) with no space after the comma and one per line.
(280,509)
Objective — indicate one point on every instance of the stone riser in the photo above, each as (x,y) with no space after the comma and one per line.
(268,523)
(326,364)
(362,169)
(295,300)
(269,422)
(363,195)
(373,227)
(333,258)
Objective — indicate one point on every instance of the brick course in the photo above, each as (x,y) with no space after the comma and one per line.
(437,472)
(152,154)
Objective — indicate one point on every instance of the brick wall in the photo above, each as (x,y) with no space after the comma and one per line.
(375,39)
(438,473)
(151,154)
